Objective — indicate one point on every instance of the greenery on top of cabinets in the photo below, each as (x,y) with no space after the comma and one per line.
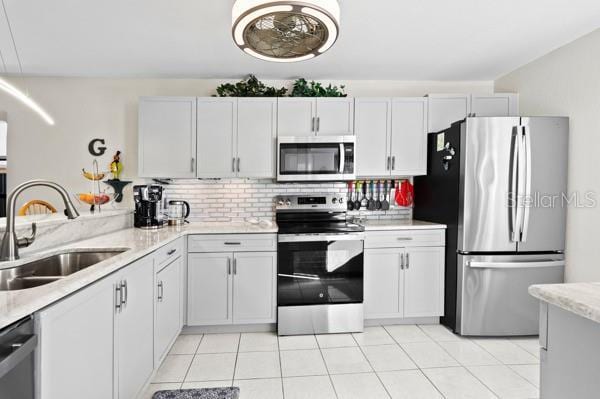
(252,87)
(302,88)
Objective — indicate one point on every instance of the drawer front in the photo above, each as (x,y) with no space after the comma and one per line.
(405,238)
(232,243)
(163,256)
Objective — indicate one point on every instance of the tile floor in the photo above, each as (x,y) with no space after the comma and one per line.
(402,361)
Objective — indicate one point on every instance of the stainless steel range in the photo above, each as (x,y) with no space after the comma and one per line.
(320,266)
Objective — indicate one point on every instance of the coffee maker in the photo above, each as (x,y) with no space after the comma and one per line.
(148,213)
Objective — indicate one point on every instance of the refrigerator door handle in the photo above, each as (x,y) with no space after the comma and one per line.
(515,265)
(527,199)
(514,193)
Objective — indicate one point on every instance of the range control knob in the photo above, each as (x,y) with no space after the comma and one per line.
(341,200)
(280,202)
(334,200)
(288,202)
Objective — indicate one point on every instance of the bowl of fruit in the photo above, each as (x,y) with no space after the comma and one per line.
(93,199)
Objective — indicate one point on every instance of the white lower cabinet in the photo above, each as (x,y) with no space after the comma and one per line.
(254,287)
(96,342)
(134,326)
(424,282)
(168,308)
(75,353)
(404,282)
(228,287)
(209,288)
(382,283)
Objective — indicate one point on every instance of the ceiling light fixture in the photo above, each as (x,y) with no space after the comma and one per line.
(25,99)
(285,31)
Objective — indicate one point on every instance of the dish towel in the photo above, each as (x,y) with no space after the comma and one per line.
(204,393)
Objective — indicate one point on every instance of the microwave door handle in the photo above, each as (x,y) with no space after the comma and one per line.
(526,203)
(342,159)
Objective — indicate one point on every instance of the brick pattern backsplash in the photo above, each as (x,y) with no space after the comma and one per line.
(234,200)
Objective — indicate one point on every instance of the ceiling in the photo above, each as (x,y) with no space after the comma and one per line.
(380,39)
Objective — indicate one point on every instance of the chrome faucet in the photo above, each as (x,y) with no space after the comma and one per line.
(9,249)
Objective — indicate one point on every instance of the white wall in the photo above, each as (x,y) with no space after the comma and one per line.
(567,82)
(107,108)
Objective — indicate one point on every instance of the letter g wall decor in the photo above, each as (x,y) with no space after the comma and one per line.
(95,149)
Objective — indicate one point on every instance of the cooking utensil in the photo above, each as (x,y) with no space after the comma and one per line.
(357,196)
(378,201)
(385,204)
(350,203)
(364,202)
(371,203)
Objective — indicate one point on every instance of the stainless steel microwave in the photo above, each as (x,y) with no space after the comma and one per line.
(327,158)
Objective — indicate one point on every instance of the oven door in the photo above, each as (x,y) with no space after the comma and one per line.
(315,159)
(320,269)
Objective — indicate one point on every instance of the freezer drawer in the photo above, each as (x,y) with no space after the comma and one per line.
(492,292)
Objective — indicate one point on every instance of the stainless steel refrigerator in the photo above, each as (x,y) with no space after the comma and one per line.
(500,184)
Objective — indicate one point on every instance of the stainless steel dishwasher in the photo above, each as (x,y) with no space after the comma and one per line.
(17,345)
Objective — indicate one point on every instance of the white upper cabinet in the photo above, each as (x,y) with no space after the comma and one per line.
(307,116)
(409,136)
(256,137)
(167,137)
(391,136)
(445,109)
(373,126)
(296,116)
(335,116)
(217,131)
(499,104)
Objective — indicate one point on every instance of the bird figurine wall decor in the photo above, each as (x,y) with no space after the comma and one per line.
(116,167)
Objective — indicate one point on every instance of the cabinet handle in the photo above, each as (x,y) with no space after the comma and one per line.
(171,252)
(387,165)
(192,164)
(407,260)
(404,238)
(402,261)
(160,291)
(318,123)
(228,266)
(312,127)
(233,165)
(394,162)
(124,292)
(234,266)
(118,302)
(232,243)
(238,164)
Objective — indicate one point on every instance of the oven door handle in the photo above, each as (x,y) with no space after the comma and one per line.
(305,277)
(320,237)
(22,350)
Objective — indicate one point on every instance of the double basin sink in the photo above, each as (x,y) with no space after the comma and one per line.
(52,268)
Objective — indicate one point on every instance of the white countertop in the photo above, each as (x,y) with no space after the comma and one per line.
(391,224)
(15,305)
(582,299)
